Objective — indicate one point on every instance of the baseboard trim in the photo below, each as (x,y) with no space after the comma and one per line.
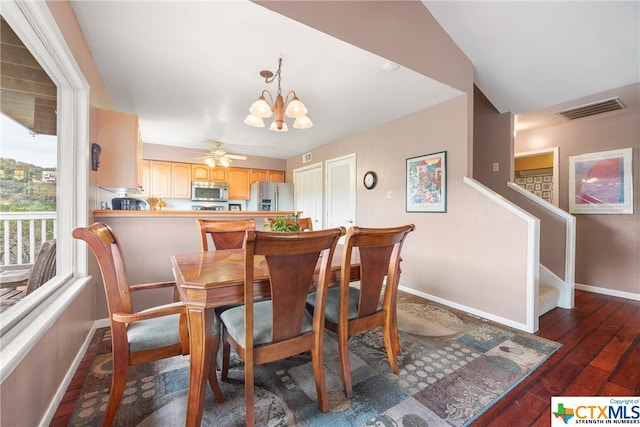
(57,398)
(607,291)
(498,319)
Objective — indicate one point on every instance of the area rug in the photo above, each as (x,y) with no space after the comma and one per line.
(453,367)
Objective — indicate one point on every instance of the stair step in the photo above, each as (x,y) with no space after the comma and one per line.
(547,299)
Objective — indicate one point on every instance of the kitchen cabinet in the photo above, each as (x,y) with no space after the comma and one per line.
(167,179)
(266,175)
(160,179)
(118,135)
(258,175)
(275,176)
(205,173)
(146,179)
(181,180)
(238,183)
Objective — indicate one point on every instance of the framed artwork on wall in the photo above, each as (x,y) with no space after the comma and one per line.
(601,183)
(427,183)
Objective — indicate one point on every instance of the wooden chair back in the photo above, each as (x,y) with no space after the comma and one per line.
(379,256)
(291,259)
(225,234)
(44,267)
(306,224)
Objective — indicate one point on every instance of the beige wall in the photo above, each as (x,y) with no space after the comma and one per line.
(476,250)
(607,246)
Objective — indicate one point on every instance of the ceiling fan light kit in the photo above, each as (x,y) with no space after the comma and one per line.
(217,156)
(289,106)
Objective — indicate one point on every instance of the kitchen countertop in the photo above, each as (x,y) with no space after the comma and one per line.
(188,213)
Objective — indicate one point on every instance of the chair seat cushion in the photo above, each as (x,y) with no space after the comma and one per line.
(153,333)
(332,307)
(233,319)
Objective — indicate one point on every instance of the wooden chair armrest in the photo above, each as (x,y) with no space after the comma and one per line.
(154,285)
(151,313)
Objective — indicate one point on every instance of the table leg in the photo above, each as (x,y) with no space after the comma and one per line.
(201,342)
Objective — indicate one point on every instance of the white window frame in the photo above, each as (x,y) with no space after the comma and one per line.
(36,27)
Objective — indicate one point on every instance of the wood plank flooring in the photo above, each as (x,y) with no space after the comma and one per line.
(600,356)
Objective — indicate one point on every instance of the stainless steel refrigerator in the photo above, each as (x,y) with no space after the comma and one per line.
(271,196)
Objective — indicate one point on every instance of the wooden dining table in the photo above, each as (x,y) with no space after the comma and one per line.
(207,280)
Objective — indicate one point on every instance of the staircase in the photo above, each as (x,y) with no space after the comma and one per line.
(547,299)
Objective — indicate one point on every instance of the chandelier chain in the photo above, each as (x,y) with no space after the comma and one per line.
(276,74)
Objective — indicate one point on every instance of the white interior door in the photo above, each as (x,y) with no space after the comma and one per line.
(307,188)
(341,191)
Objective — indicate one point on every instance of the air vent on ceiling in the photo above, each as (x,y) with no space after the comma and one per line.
(591,109)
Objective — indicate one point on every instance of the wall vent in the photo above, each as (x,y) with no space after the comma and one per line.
(306,157)
(604,106)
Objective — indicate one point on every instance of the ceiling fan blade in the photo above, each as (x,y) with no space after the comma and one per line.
(236,156)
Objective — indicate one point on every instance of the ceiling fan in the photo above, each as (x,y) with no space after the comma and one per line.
(217,156)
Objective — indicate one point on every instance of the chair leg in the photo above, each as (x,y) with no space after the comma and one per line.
(343,347)
(318,374)
(248,393)
(226,354)
(118,383)
(390,347)
(213,379)
(395,334)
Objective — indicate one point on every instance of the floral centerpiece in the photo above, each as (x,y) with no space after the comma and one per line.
(288,223)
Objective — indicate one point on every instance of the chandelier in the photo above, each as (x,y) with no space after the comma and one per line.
(289,106)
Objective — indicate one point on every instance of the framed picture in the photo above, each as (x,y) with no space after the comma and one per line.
(601,183)
(427,183)
(235,207)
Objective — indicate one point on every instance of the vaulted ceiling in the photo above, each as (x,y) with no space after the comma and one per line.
(190,70)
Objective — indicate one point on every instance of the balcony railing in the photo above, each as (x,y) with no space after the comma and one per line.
(23,234)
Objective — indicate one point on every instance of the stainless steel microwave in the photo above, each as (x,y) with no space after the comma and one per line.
(203,191)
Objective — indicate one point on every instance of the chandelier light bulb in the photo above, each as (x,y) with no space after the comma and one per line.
(274,127)
(261,108)
(254,121)
(303,122)
(296,108)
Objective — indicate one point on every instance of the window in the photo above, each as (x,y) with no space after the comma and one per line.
(35,26)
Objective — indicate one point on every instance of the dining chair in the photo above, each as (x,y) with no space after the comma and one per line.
(305,224)
(268,330)
(136,337)
(31,275)
(352,309)
(224,233)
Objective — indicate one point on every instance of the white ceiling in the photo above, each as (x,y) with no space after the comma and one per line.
(190,70)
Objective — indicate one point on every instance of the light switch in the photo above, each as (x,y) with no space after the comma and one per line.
(389,194)
(495,167)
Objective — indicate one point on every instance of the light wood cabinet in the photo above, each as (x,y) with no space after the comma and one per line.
(258,175)
(146,179)
(160,179)
(167,179)
(118,135)
(276,176)
(205,173)
(239,183)
(181,180)
(266,175)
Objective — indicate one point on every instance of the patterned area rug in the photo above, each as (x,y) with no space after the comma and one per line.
(453,367)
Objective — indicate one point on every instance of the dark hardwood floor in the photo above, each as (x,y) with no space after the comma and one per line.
(600,356)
